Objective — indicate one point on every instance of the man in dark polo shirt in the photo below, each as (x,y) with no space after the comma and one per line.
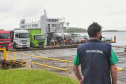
(97,60)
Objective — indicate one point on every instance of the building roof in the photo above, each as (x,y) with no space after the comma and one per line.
(25,28)
(53,18)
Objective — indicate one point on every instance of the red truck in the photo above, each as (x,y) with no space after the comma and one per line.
(5,39)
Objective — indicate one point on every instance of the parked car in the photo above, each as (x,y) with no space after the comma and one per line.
(106,39)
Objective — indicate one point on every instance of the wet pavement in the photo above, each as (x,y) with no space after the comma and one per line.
(121,64)
(69,54)
(122,57)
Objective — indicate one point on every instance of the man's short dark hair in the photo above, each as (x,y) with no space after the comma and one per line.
(93,29)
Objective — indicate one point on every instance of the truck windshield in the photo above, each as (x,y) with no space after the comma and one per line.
(76,35)
(40,37)
(23,35)
(4,36)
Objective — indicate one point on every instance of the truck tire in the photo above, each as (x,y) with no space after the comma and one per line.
(14,46)
(31,44)
(42,47)
(77,42)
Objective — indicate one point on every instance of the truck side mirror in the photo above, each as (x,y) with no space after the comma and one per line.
(34,37)
(16,35)
(11,35)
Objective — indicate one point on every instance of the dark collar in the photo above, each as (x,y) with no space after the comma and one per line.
(94,40)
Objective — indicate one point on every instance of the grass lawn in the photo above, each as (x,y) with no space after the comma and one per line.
(25,76)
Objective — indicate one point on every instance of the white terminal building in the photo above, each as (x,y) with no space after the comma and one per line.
(48,26)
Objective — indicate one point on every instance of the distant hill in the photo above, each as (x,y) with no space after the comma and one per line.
(79,30)
(110,31)
(122,30)
(75,29)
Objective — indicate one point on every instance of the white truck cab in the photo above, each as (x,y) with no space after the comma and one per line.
(76,38)
(21,39)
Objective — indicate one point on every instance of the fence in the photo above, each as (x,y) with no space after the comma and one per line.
(9,55)
(4,53)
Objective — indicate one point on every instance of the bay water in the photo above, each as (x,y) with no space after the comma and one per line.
(120,37)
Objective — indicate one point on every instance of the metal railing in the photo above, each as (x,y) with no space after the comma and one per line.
(32,62)
(4,53)
(11,55)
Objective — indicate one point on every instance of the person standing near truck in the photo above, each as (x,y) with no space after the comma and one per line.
(97,59)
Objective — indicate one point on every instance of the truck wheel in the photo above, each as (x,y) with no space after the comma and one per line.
(42,47)
(14,46)
(31,45)
(77,42)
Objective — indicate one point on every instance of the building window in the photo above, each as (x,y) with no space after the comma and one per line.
(34,25)
(57,25)
(22,26)
(53,21)
(53,25)
(56,20)
(22,22)
(49,20)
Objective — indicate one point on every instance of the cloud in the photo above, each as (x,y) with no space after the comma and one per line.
(29,12)
(116,12)
(5,9)
(80,13)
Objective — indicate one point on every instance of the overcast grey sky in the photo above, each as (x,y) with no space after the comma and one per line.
(110,14)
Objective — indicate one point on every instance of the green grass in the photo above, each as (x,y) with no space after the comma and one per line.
(25,76)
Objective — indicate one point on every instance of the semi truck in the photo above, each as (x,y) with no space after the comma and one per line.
(37,39)
(20,38)
(5,39)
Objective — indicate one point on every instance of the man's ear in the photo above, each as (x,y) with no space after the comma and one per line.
(98,34)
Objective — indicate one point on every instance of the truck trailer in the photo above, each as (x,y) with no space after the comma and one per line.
(20,38)
(5,39)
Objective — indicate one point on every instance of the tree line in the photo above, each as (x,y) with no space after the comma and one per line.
(74,29)
(78,30)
